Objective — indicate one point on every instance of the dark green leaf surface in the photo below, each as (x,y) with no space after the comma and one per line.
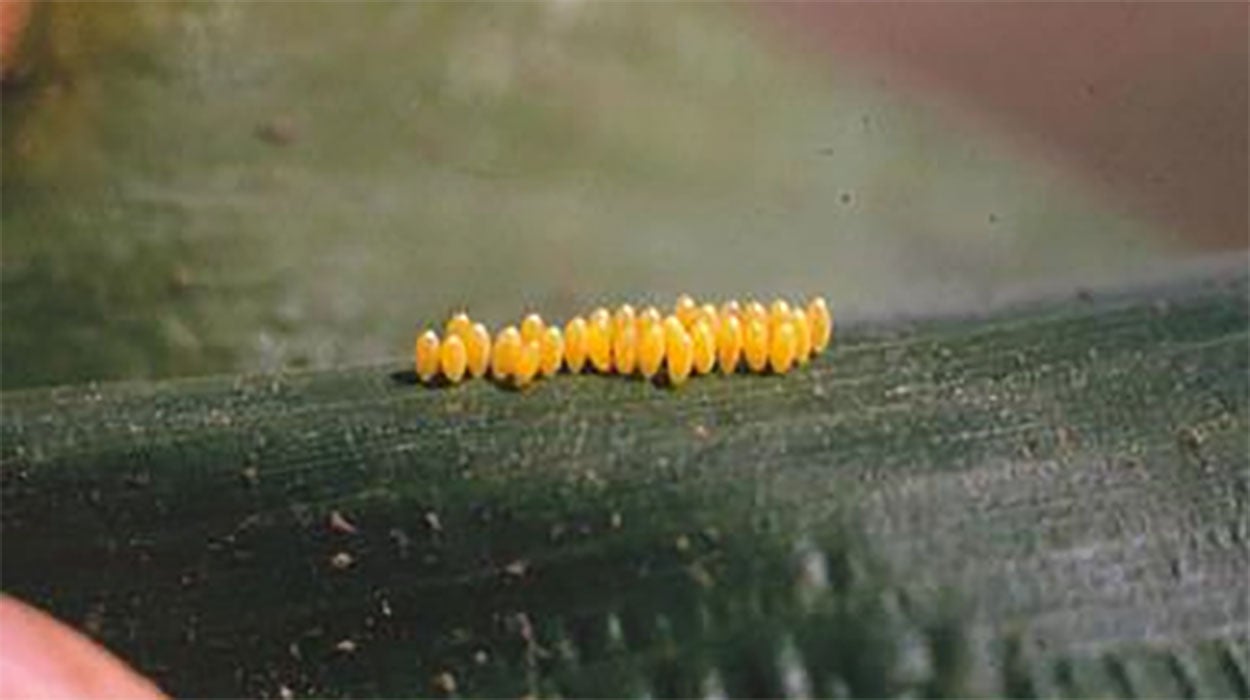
(1048,501)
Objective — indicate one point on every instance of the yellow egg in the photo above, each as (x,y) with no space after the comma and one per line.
(624,316)
(599,340)
(625,349)
(551,351)
(425,354)
(731,308)
(504,354)
(685,310)
(453,358)
(802,336)
(711,316)
(600,315)
(729,344)
(704,346)
(648,317)
(459,324)
(821,322)
(781,348)
(477,349)
(529,358)
(575,344)
(755,344)
(532,329)
(754,311)
(678,351)
(651,350)
(778,314)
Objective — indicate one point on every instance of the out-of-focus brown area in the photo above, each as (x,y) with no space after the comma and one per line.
(1147,100)
(12,22)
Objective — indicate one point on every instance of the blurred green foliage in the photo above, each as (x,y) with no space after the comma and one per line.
(215,186)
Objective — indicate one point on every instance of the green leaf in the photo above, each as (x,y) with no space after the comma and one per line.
(209,187)
(1047,501)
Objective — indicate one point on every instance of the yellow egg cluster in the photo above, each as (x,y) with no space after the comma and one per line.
(693,339)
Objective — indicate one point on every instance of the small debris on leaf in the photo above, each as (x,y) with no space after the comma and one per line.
(444,683)
(342,561)
(251,476)
(339,523)
(517,568)
(402,542)
(701,575)
(1190,438)
(279,131)
(180,278)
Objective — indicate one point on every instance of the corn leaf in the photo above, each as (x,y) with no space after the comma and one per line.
(1049,500)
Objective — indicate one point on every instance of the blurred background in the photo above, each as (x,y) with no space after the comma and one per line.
(206,187)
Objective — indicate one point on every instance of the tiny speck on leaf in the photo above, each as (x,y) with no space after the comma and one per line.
(556,532)
(1066,437)
(402,542)
(180,278)
(279,131)
(444,683)
(517,568)
(1190,438)
(250,475)
(342,561)
(346,646)
(339,523)
(701,575)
